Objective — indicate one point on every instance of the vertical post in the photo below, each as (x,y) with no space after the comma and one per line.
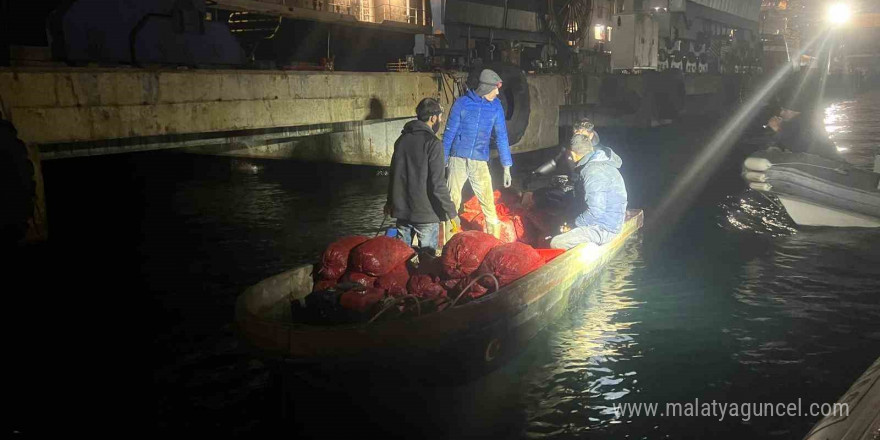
(468,46)
(38,227)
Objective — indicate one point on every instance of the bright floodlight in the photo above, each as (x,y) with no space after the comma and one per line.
(839,13)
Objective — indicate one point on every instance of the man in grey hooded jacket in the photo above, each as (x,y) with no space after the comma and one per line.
(602,190)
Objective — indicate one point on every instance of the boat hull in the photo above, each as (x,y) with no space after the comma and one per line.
(810,214)
(480,333)
(855,416)
(816,191)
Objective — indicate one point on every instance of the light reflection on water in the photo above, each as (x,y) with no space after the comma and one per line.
(854,127)
(755,212)
(574,390)
(768,312)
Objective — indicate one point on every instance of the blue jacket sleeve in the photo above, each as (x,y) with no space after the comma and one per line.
(501,137)
(595,197)
(452,123)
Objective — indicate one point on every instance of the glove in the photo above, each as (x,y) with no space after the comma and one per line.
(507,179)
(455,222)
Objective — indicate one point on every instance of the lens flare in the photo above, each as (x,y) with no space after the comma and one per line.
(701,168)
(839,13)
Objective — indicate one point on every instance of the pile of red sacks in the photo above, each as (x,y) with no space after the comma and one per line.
(382,266)
(516,221)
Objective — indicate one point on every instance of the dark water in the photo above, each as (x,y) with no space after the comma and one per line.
(726,301)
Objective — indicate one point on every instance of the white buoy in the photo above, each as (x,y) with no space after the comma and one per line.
(757,164)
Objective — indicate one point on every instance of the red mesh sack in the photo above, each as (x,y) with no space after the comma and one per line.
(502,210)
(334,260)
(473,222)
(424,286)
(449,283)
(509,262)
(377,256)
(468,217)
(454,286)
(507,199)
(513,227)
(394,282)
(323,285)
(361,300)
(475,291)
(550,254)
(472,205)
(464,252)
(357,277)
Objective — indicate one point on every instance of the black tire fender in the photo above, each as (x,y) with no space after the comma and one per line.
(19,187)
(515,99)
(514,96)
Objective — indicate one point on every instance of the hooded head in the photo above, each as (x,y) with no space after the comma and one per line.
(586,128)
(802,97)
(580,146)
(489,84)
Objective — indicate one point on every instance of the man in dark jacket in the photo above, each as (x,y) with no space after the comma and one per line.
(602,190)
(799,127)
(417,193)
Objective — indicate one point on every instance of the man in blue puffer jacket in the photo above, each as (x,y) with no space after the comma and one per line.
(602,190)
(472,120)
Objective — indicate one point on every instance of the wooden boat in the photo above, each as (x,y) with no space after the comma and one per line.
(478,333)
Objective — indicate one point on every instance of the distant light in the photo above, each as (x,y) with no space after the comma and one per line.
(839,13)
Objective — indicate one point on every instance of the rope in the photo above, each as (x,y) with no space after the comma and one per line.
(774,202)
(471,284)
(391,304)
(382,226)
(836,170)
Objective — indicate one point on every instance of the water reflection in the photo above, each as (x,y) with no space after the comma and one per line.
(802,282)
(574,389)
(755,212)
(854,126)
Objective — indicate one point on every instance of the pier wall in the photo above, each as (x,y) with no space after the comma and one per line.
(343,117)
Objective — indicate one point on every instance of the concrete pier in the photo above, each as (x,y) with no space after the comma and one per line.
(341,117)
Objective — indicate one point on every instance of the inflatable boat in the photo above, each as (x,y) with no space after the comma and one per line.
(856,415)
(816,191)
(468,337)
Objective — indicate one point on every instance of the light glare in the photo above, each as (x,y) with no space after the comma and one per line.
(839,13)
